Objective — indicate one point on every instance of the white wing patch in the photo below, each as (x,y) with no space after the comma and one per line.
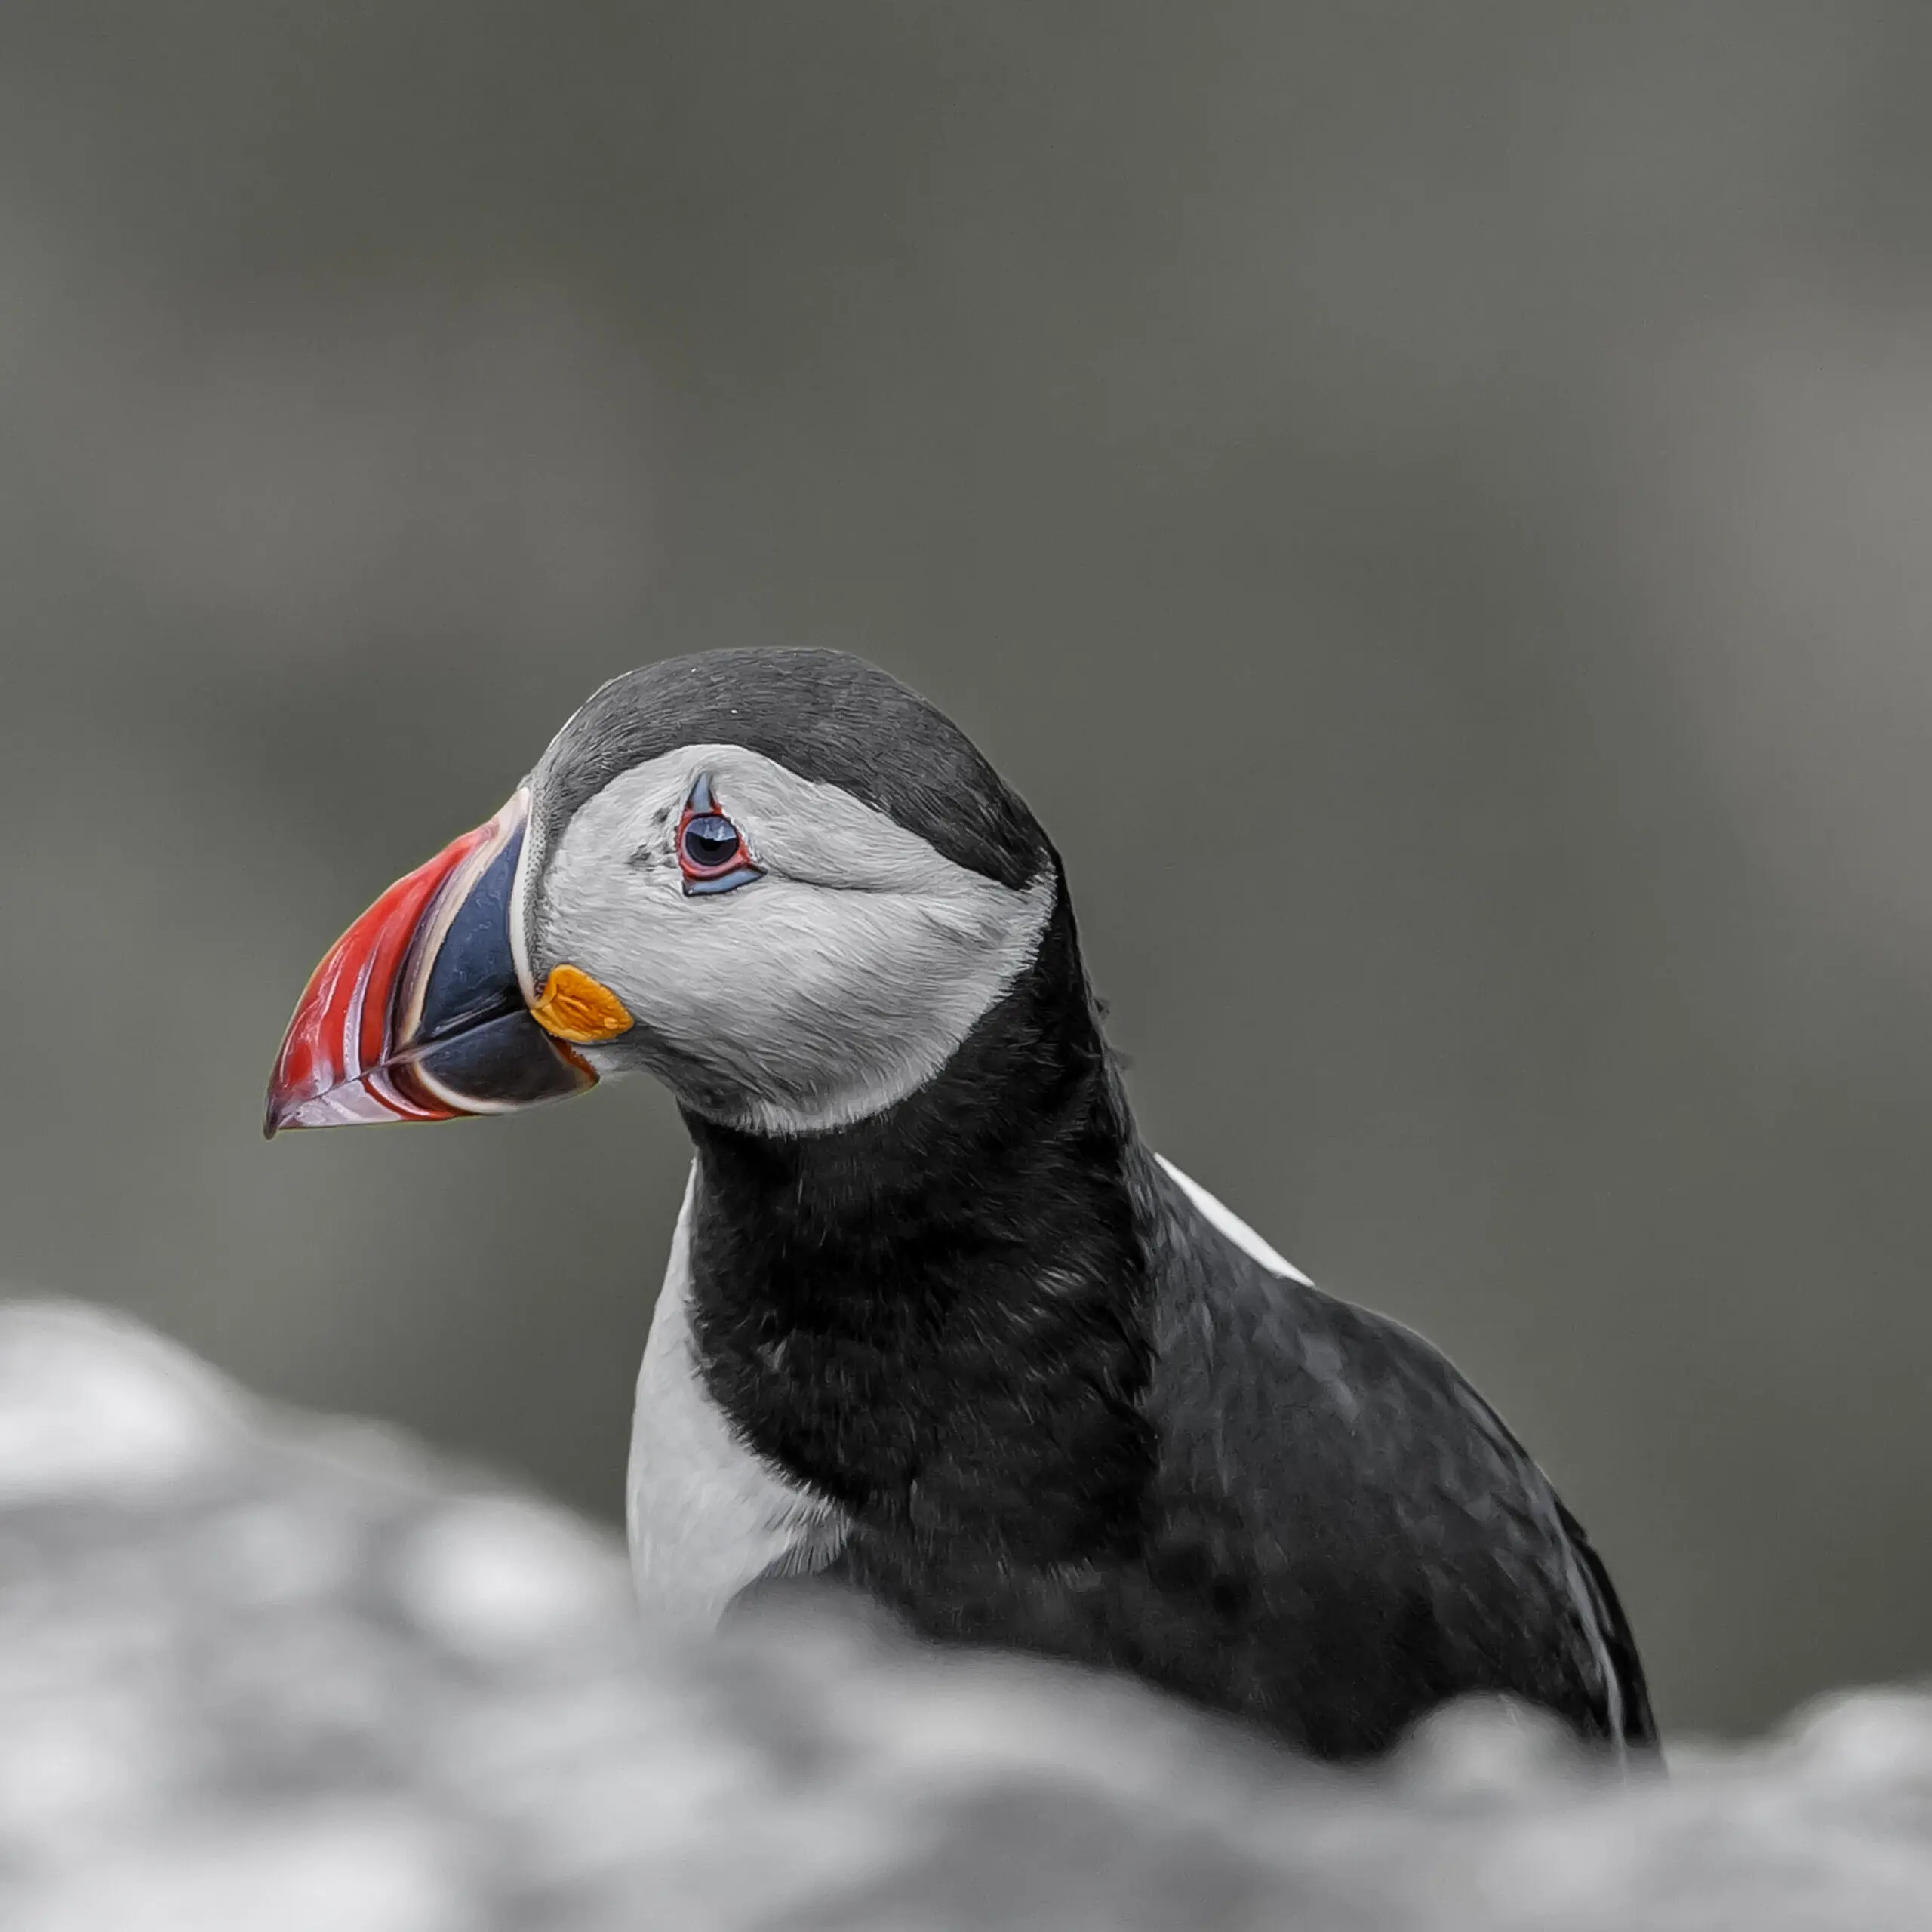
(708,1516)
(1232,1226)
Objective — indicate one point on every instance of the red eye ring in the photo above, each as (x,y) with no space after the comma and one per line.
(712,853)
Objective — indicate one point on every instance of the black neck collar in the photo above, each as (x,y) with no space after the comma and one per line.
(937,1315)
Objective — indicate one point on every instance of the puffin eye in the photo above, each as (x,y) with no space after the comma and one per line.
(712,853)
(711,841)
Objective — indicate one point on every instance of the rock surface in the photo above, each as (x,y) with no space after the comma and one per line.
(258,1671)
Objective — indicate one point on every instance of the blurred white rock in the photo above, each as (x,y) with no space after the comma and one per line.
(257,1671)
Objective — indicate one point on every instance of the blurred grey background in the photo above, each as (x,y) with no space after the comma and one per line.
(1472,462)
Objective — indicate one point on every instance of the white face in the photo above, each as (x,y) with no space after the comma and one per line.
(835,983)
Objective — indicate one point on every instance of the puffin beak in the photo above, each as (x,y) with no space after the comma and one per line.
(419,1012)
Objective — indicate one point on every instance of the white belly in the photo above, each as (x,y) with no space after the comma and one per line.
(707,1514)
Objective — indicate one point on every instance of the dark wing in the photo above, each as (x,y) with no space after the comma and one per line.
(1640,1725)
(1361,1534)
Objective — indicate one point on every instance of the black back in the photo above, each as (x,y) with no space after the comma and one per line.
(1358,1536)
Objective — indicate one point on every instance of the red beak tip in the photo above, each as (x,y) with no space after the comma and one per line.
(359,1050)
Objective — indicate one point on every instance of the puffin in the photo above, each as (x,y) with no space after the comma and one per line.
(938,1325)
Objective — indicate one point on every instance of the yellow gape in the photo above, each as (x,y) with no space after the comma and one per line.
(575,1007)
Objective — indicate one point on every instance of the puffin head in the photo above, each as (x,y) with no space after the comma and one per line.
(778,880)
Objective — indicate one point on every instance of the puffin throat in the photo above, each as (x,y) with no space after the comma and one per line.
(936,1316)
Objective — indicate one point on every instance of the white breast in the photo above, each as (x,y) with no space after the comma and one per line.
(708,1515)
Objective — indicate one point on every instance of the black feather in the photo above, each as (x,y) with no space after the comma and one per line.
(1064,1413)
(830,718)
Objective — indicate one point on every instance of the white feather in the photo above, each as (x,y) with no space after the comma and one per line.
(708,1515)
(1232,1226)
(836,984)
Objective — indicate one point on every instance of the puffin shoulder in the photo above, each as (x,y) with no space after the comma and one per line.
(1310,1429)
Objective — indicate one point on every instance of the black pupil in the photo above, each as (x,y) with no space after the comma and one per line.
(710,841)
